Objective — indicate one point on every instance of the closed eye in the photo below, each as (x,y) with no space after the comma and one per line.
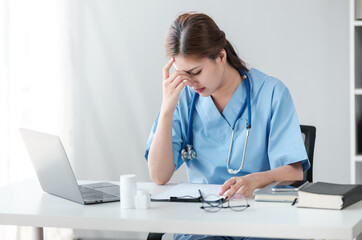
(197,73)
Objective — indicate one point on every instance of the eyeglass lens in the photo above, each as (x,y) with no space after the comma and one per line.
(213,203)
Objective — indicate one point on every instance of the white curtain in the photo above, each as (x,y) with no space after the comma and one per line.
(33,80)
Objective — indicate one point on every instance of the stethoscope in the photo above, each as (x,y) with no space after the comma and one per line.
(189,153)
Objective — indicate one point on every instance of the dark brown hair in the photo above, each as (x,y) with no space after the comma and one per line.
(197,35)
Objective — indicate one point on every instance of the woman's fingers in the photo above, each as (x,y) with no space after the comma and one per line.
(242,185)
(236,185)
(181,86)
(179,79)
(233,189)
(226,186)
(178,73)
(172,86)
(166,68)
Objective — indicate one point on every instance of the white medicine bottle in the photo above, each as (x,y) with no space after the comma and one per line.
(128,189)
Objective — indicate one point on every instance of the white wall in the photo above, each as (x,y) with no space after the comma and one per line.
(118,55)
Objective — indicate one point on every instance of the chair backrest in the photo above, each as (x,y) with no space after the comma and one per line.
(309,134)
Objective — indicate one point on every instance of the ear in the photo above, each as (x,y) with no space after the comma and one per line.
(222,56)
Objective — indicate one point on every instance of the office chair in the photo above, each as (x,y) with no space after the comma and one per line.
(308,134)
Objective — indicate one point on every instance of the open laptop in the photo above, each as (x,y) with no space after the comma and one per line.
(55,173)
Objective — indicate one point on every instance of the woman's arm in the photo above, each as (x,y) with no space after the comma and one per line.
(160,157)
(247,184)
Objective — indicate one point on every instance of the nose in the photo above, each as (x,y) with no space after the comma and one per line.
(193,82)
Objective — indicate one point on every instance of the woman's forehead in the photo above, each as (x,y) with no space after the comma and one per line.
(188,63)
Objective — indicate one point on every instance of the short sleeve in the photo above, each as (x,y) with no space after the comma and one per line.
(285,142)
(177,139)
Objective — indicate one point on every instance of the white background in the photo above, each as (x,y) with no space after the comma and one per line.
(91,72)
(117,55)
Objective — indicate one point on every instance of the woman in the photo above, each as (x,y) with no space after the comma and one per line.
(207,65)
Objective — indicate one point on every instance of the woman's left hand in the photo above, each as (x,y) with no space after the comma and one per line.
(244,185)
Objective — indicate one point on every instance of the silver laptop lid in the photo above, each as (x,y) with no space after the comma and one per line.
(51,164)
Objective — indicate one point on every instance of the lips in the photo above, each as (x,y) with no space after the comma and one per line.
(199,90)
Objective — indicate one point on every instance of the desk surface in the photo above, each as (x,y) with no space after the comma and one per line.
(25,204)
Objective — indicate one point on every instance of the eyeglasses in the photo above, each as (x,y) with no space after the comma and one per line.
(213,203)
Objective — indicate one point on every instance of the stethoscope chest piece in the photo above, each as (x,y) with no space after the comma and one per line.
(188,153)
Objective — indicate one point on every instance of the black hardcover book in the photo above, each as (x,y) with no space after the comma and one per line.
(329,195)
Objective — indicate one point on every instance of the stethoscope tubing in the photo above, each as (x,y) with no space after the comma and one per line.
(189,128)
(189,153)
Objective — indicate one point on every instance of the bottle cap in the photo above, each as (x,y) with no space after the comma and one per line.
(128,178)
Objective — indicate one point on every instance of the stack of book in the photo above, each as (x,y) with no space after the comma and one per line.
(320,195)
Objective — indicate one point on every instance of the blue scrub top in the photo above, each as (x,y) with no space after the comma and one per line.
(275,138)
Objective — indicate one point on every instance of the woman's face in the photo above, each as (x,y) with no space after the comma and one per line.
(206,75)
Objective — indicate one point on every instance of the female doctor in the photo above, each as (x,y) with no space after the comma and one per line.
(231,125)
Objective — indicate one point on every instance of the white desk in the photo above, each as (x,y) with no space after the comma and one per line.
(25,204)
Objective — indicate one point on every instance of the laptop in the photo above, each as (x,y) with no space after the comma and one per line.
(56,175)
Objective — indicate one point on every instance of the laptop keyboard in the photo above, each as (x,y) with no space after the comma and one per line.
(91,194)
